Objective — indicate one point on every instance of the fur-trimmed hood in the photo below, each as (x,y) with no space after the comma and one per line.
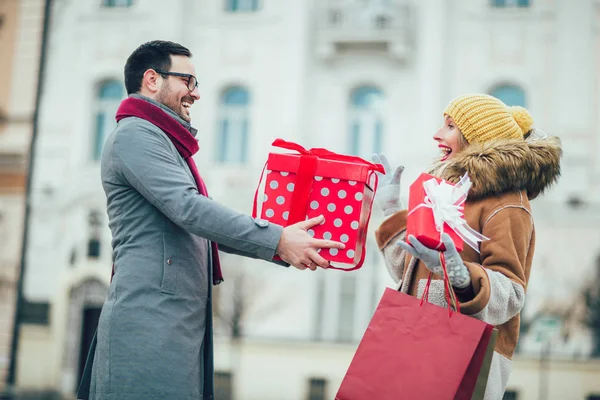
(502,166)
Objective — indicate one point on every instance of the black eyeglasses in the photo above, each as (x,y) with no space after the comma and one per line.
(192,82)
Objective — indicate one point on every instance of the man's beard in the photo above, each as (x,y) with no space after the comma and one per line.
(166,98)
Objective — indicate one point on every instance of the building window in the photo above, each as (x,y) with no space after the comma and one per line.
(344,304)
(109,96)
(511,95)
(347,308)
(33,312)
(233,126)
(93,248)
(510,395)
(94,244)
(366,122)
(241,5)
(223,385)
(117,3)
(317,389)
(510,3)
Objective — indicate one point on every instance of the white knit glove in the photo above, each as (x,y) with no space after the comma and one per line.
(388,190)
(458,274)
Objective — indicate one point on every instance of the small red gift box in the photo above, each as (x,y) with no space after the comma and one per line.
(421,222)
(317,181)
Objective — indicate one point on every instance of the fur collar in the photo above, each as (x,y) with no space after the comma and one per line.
(510,165)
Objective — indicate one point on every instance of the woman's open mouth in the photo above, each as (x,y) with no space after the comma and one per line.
(446,151)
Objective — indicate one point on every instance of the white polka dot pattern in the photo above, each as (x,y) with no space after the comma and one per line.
(338,200)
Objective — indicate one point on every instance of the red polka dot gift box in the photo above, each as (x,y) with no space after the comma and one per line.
(317,181)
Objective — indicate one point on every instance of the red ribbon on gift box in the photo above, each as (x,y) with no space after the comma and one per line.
(326,154)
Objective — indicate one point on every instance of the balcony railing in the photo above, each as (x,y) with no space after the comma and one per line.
(343,23)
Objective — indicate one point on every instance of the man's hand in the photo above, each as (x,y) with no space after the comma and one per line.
(299,249)
(388,189)
(458,274)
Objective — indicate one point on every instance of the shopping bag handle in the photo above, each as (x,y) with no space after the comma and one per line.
(448,291)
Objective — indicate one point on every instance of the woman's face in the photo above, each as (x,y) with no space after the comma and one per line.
(450,139)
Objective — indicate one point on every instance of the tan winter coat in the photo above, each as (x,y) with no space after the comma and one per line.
(506,175)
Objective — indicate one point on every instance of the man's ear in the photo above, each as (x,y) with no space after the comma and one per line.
(151,81)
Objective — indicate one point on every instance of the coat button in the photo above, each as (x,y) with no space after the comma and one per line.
(169,261)
(261,222)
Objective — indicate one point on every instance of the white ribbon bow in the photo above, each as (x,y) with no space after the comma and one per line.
(446,201)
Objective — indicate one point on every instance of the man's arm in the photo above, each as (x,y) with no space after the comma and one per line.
(231,250)
(143,157)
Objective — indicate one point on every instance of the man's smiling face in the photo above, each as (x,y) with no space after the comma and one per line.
(174,92)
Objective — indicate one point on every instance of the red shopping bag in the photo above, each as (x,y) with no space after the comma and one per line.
(417,350)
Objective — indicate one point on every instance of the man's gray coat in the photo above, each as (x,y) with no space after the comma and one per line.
(154,338)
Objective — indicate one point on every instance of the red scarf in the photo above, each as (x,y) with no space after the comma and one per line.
(185,143)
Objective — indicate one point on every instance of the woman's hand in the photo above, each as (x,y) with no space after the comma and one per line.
(388,190)
(458,274)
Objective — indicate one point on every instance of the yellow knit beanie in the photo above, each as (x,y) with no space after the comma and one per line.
(481,117)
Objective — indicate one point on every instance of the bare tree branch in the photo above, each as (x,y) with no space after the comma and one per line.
(240,298)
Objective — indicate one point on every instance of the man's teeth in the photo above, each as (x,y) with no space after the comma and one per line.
(186,104)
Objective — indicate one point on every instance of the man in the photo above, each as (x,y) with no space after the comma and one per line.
(154,337)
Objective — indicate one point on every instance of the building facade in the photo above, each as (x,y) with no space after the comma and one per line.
(352,76)
(21,24)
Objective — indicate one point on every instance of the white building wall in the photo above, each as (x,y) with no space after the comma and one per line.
(299,94)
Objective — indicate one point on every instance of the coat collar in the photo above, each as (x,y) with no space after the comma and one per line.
(508,165)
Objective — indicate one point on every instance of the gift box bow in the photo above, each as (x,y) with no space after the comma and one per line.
(326,154)
(446,202)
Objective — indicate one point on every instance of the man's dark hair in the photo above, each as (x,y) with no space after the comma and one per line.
(151,55)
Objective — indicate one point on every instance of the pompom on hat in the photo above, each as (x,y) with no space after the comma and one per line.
(481,118)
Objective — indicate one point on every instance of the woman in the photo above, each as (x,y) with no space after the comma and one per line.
(509,164)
